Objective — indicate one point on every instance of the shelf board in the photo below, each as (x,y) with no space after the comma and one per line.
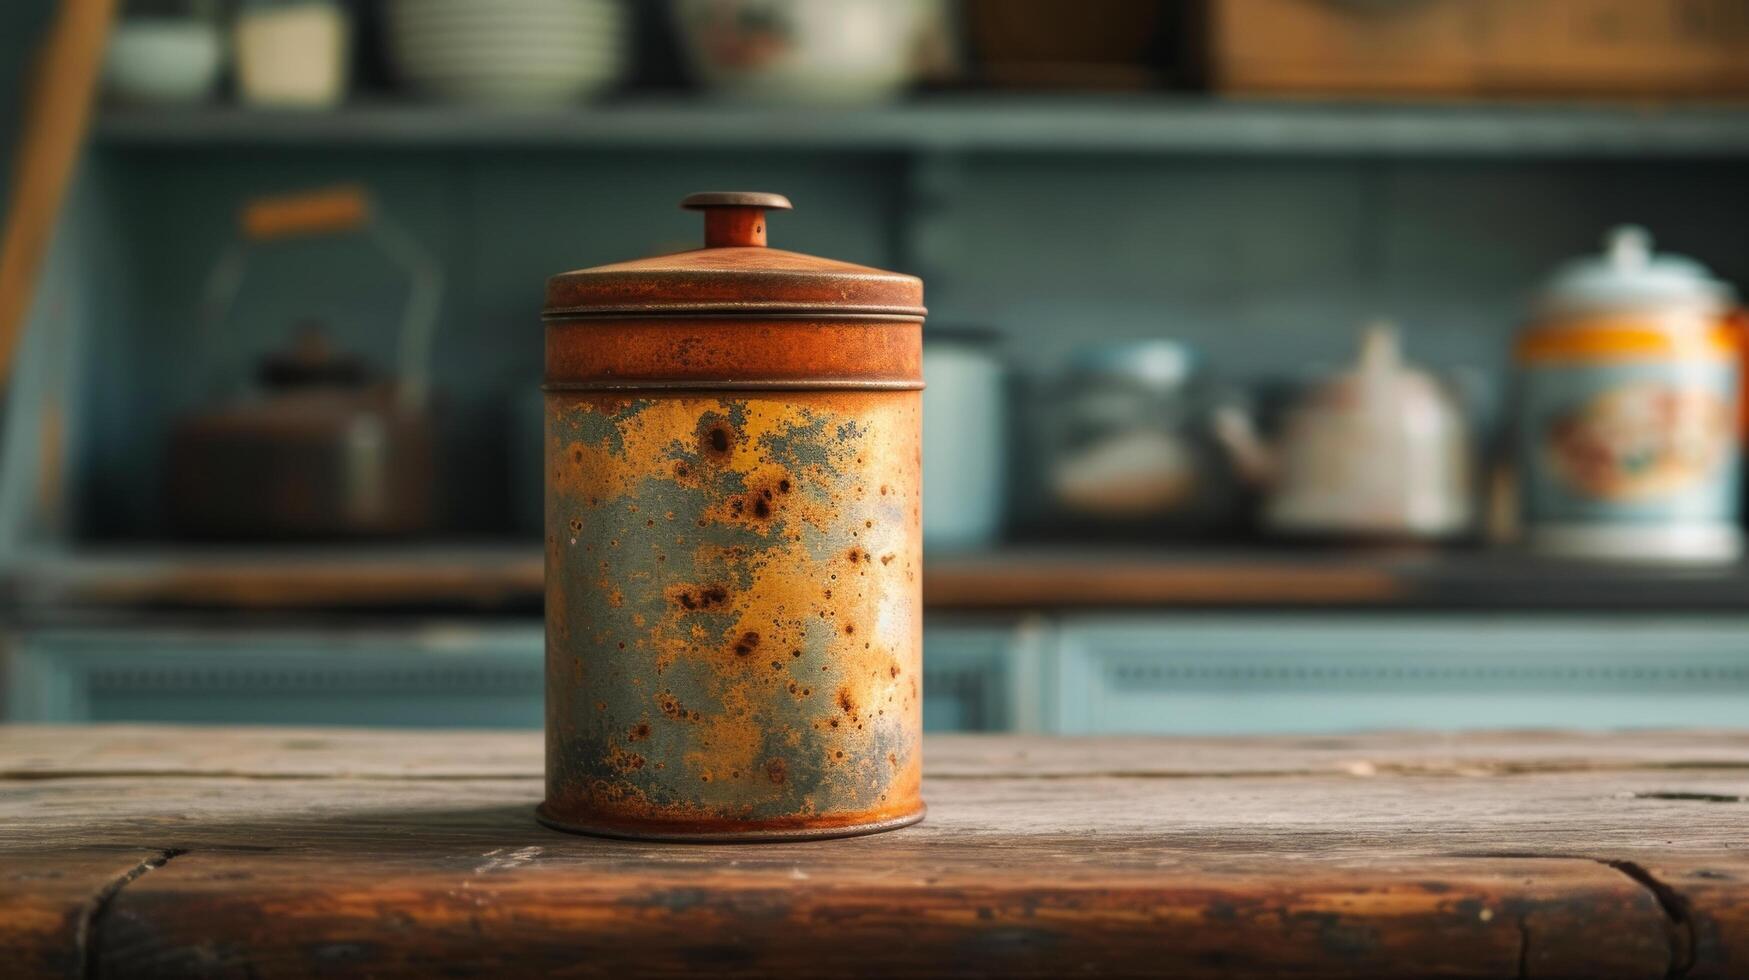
(1128,124)
(509,576)
(476,577)
(1411,579)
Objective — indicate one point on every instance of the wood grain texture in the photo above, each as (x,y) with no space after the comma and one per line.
(50,904)
(292,853)
(55,751)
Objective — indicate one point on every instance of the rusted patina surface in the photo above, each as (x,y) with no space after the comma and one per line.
(733,592)
(723,352)
(734,545)
(735,273)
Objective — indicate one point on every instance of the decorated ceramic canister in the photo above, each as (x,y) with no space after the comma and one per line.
(1628,423)
(733,541)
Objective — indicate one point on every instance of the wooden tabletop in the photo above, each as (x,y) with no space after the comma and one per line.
(128,851)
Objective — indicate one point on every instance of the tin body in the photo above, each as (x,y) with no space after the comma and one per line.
(1628,437)
(733,558)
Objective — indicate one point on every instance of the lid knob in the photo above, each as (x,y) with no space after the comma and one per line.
(735,219)
(1629,248)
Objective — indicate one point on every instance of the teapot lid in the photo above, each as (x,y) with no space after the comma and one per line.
(311,360)
(1380,378)
(735,272)
(1630,274)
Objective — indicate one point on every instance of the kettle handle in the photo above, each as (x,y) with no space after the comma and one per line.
(1235,431)
(329,211)
(341,210)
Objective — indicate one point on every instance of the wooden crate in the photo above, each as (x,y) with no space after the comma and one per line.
(1481,48)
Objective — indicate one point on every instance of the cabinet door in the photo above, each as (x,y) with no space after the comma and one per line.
(424,676)
(461,676)
(976,674)
(1225,674)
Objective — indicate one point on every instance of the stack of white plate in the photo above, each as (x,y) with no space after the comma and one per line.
(517,52)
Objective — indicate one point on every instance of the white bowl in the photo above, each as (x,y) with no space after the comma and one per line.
(579,67)
(513,29)
(522,52)
(526,92)
(802,51)
(578,58)
(500,37)
(463,75)
(550,46)
(167,61)
(493,19)
(593,71)
(503,26)
(512,82)
(418,21)
(507,9)
(403,13)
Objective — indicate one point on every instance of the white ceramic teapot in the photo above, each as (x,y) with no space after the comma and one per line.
(1381,450)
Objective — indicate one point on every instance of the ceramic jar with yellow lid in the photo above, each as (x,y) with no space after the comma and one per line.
(1627,424)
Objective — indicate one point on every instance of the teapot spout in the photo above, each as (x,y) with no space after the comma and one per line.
(1253,458)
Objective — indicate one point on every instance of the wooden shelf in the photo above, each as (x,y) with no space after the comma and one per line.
(1128,124)
(509,576)
(481,577)
(1452,580)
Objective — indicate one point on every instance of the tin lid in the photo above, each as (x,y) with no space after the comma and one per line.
(1630,275)
(734,273)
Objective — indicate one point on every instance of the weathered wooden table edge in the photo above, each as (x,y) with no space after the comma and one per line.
(160,851)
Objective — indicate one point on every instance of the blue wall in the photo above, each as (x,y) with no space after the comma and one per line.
(1268,265)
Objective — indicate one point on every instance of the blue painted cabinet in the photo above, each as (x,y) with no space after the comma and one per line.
(1150,674)
(1237,674)
(488,676)
(466,675)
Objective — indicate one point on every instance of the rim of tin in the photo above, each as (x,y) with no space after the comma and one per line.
(741,311)
(718,292)
(765,836)
(800,384)
(735,272)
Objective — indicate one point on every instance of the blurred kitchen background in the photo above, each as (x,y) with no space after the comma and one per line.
(1225,429)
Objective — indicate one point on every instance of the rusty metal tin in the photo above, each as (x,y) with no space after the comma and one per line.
(734,544)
